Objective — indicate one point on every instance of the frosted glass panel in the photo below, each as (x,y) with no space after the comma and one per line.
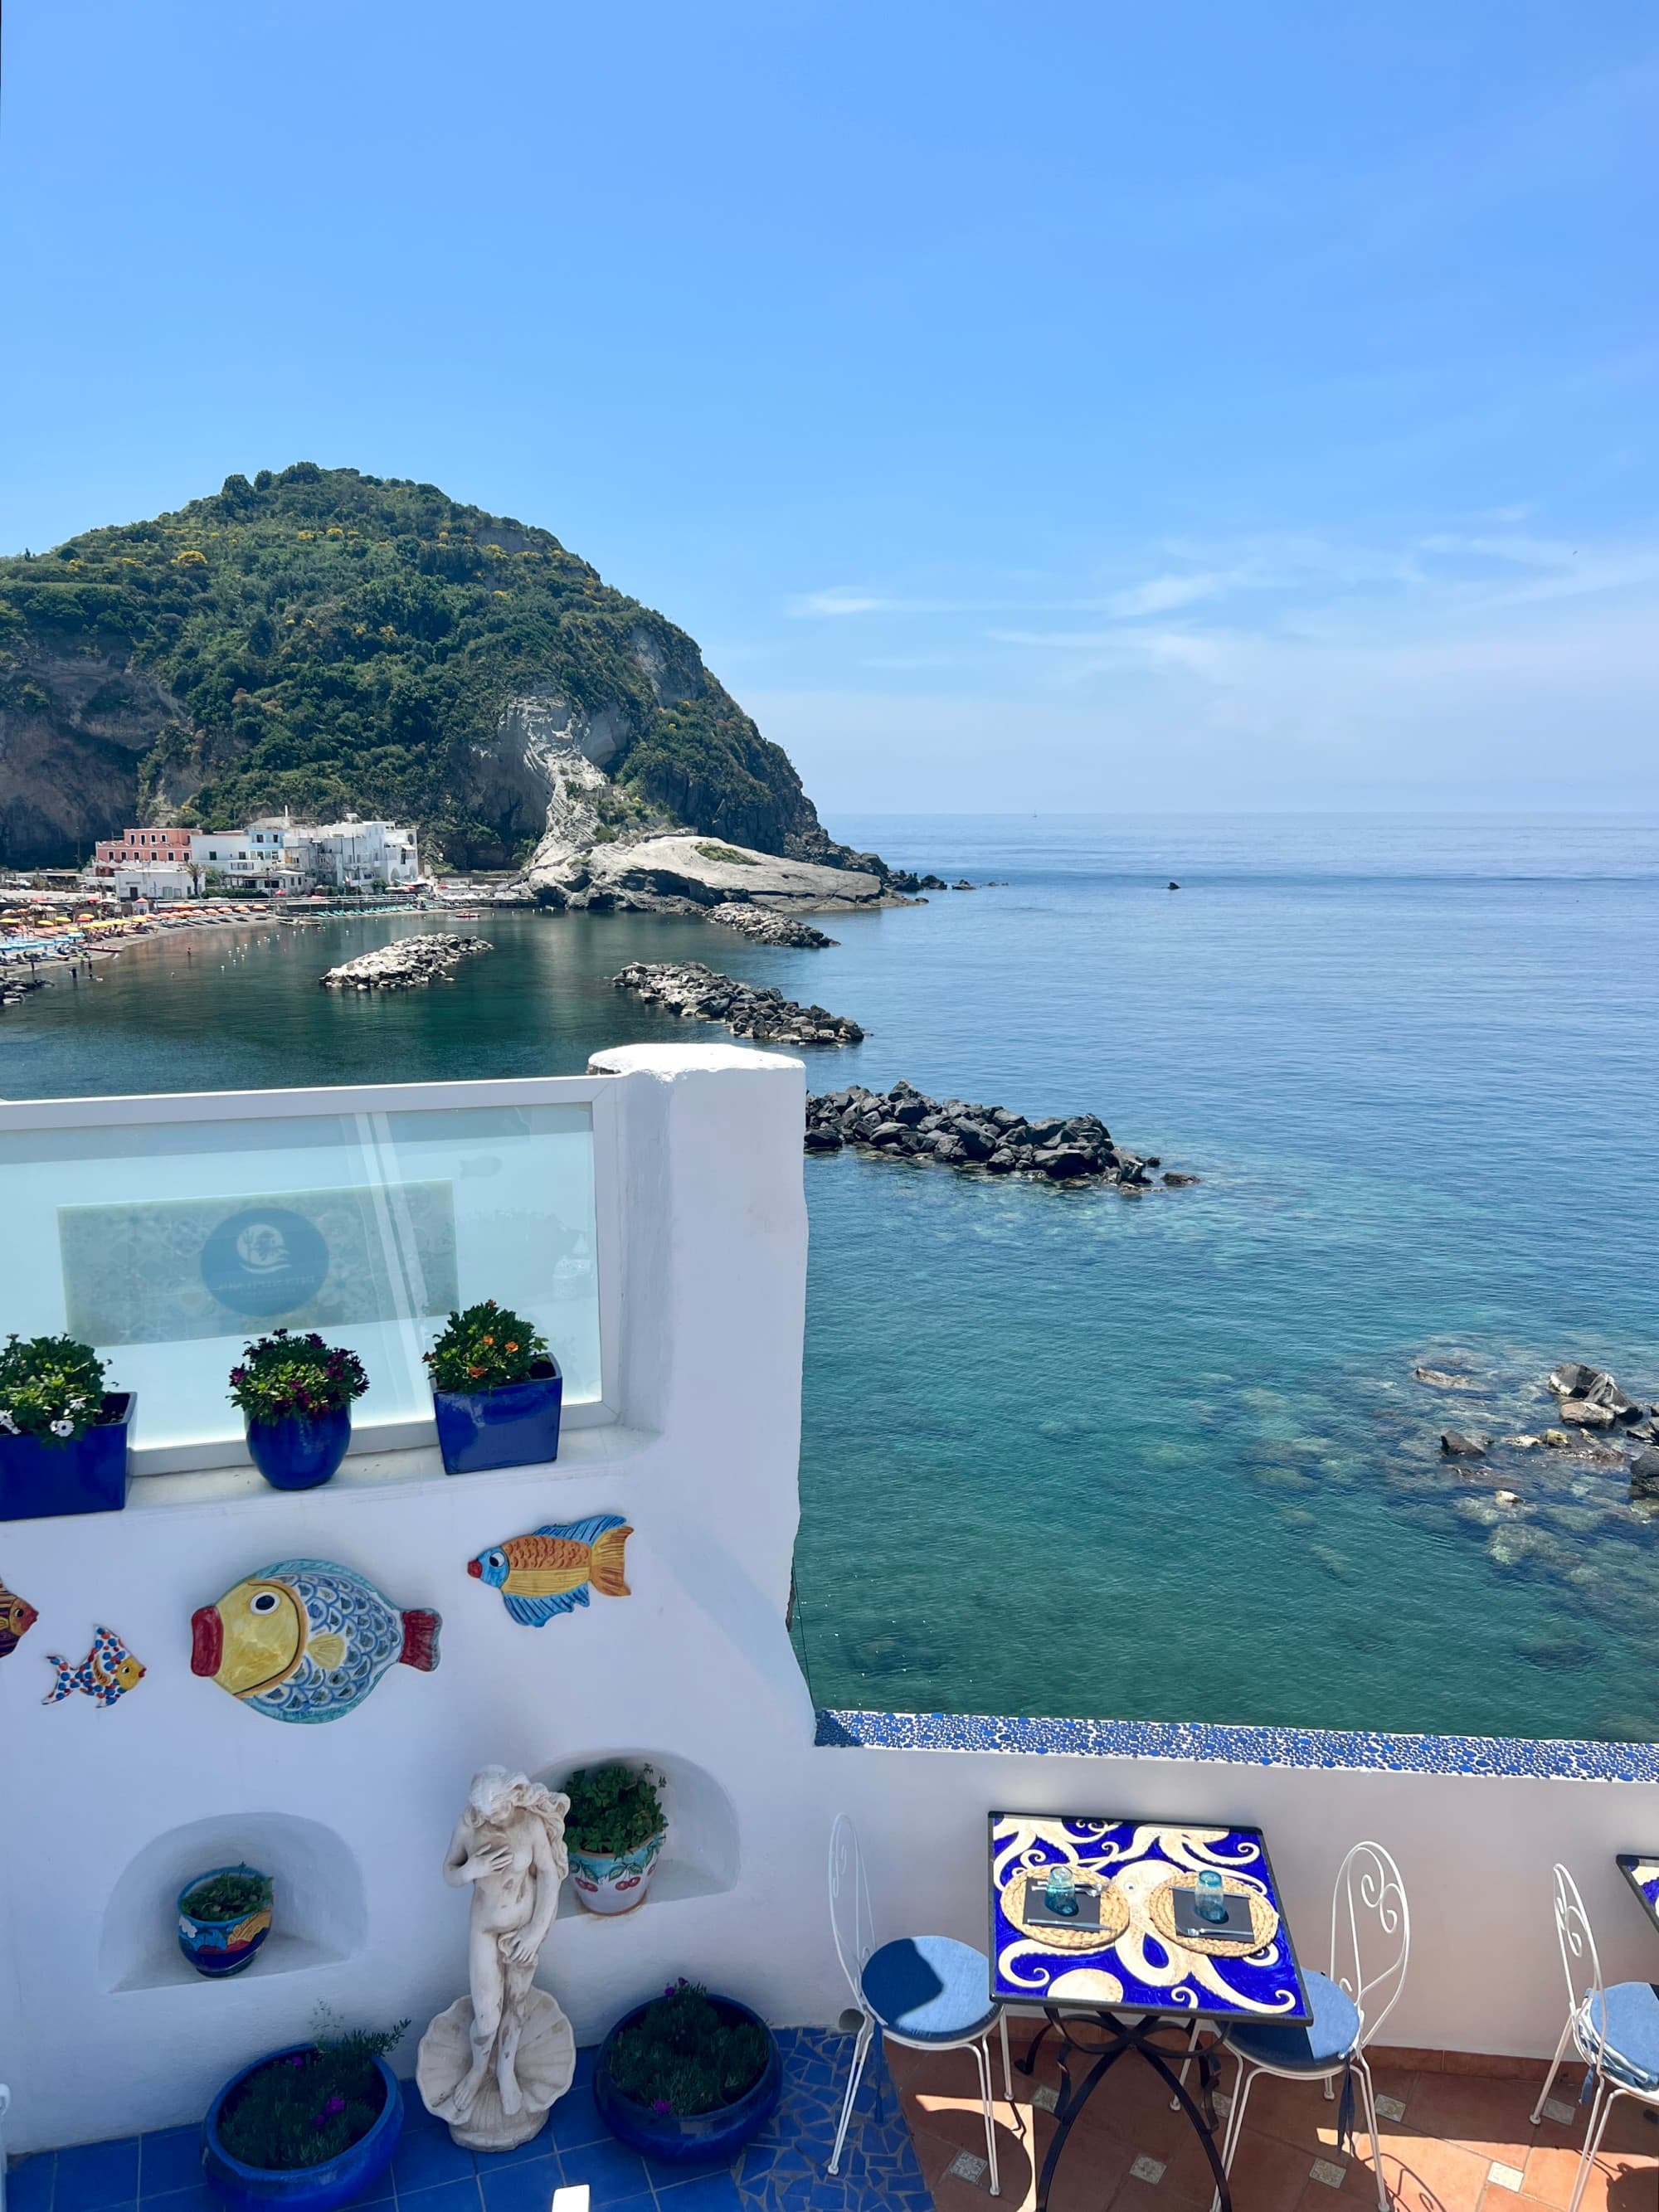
(167,1245)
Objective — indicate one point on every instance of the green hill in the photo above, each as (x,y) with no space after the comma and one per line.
(327,641)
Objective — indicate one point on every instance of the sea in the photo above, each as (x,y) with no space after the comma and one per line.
(1159,1457)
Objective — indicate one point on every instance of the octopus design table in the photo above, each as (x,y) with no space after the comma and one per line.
(1119,1969)
(1643,1875)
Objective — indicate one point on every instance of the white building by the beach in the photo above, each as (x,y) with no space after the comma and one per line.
(358,854)
(157,881)
(264,857)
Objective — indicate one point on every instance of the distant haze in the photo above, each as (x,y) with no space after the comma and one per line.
(1083,407)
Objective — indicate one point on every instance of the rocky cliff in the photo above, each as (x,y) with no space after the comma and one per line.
(330,641)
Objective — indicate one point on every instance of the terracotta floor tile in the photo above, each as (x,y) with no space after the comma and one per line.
(1617,2179)
(1423,2174)
(1491,2116)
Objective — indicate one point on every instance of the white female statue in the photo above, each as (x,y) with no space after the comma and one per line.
(494,2062)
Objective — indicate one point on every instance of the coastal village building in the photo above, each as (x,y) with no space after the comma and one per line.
(141,849)
(274,854)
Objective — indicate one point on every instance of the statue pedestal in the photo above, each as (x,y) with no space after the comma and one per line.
(545,2064)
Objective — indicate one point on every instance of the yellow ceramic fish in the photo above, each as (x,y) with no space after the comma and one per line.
(307,1640)
(550,1571)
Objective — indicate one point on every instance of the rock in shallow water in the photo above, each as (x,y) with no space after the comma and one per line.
(1456,1444)
(953,1133)
(430,958)
(748,1010)
(766,927)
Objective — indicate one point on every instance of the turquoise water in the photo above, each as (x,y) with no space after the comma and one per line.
(1069,1452)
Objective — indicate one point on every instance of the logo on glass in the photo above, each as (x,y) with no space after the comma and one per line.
(264,1261)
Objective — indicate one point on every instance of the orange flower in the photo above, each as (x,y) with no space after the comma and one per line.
(509,1347)
(489,1340)
(475,1372)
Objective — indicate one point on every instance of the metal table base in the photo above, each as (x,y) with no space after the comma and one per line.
(1123,2034)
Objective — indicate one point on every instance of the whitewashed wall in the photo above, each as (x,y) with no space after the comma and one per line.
(103,2031)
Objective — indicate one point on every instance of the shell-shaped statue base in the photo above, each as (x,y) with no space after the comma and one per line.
(545,2063)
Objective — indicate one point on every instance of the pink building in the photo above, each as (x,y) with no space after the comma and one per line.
(134,846)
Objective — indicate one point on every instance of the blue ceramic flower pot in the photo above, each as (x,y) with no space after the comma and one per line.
(301,1450)
(515,1424)
(40,1477)
(700,2138)
(218,1947)
(306,2188)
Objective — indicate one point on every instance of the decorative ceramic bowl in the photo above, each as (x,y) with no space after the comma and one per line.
(323,2188)
(607,1884)
(699,2138)
(301,1451)
(217,1947)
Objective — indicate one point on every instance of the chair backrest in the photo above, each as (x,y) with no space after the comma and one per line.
(1577,1940)
(851,1921)
(1370,1934)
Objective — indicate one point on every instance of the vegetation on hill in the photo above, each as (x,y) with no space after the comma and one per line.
(327,641)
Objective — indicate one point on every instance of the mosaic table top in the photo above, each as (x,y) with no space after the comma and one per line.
(1141,1968)
(1643,1875)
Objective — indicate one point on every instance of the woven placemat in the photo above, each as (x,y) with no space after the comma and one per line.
(1114,1913)
(1160,1910)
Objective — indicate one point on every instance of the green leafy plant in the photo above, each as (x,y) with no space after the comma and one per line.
(613,1809)
(50,1387)
(732,857)
(282,1374)
(230,1896)
(483,1347)
(308,2106)
(686,2055)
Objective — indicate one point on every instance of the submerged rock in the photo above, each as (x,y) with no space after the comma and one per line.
(1644,1474)
(1456,1445)
(432,958)
(748,1010)
(1440,1378)
(953,1133)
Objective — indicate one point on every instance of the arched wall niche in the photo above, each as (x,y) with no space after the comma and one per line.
(321,1916)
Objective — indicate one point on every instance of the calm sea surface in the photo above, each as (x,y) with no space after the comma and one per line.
(1069,1452)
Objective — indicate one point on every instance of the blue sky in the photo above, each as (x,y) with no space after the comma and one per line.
(1090,406)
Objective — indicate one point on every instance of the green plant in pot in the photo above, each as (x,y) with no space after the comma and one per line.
(496,1391)
(614,1833)
(224,1916)
(63,1436)
(688,2077)
(297,1394)
(308,2128)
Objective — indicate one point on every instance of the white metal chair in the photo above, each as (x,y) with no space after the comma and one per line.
(1615,2030)
(1371,1945)
(928,1992)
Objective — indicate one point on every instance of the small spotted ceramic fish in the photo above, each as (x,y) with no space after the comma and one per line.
(306,1640)
(108,1672)
(550,1571)
(17,1617)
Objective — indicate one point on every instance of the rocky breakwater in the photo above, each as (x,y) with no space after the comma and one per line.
(952,1132)
(404,966)
(748,1010)
(768,928)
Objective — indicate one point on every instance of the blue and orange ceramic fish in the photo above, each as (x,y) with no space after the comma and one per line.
(108,1672)
(550,1571)
(17,1617)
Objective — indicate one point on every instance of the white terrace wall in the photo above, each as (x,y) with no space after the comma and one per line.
(102,2030)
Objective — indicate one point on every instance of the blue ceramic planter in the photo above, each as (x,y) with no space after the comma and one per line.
(86,1473)
(704,2138)
(515,1424)
(218,1947)
(306,2188)
(301,1451)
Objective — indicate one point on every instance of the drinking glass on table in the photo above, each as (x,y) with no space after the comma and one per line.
(1210,1898)
(1059,1892)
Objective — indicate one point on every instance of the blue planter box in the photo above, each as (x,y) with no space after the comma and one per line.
(516,1424)
(306,2188)
(301,1451)
(86,1473)
(704,2138)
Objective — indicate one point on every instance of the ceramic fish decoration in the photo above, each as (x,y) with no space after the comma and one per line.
(108,1672)
(17,1617)
(306,1640)
(551,1571)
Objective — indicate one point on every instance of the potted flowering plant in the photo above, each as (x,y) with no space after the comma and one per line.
(296,1392)
(224,1916)
(63,1436)
(496,1391)
(614,1832)
(687,2078)
(308,2129)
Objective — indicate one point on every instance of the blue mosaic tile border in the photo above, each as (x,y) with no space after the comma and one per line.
(1515,1756)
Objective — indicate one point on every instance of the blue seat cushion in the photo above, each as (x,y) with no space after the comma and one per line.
(930,1988)
(1624,2021)
(1318,2048)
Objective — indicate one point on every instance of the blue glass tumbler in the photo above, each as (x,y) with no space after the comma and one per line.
(1210,1897)
(1059,1892)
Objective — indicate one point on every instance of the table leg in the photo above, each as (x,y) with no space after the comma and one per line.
(1202,2121)
(1073,2100)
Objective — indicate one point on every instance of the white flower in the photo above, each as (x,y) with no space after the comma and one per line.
(63,1428)
(7,1423)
